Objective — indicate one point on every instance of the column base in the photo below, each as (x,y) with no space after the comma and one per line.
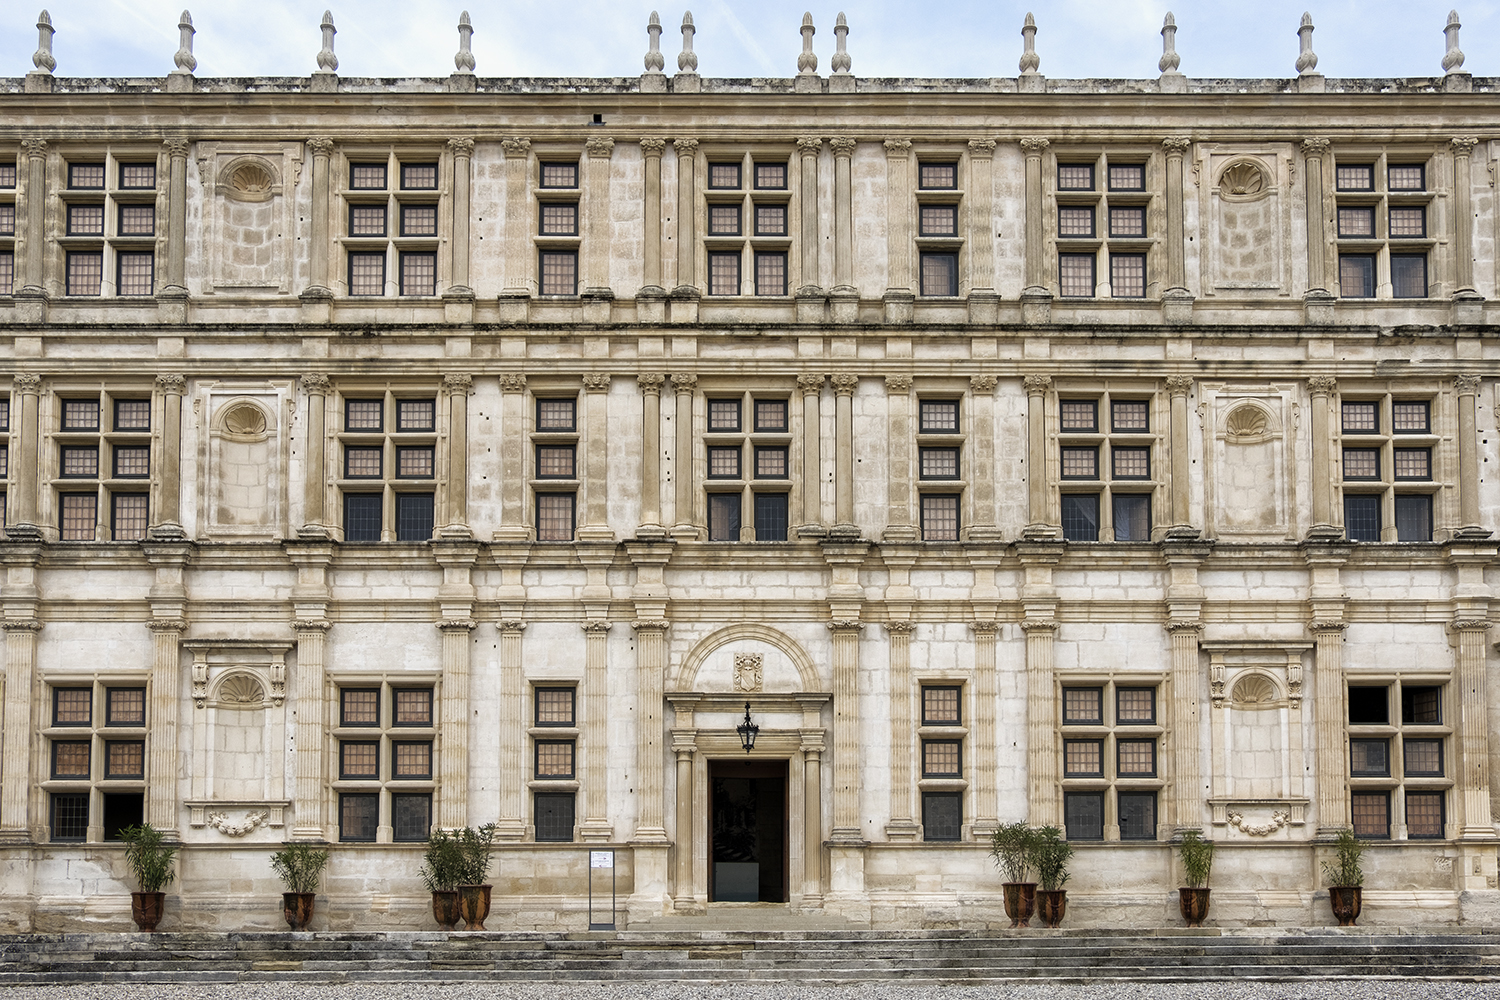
(511,533)
(31,305)
(1042,533)
(900,303)
(1472,533)
(1468,307)
(651,533)
(812,304)
(1317,307)
(899,533)
(902,829)
(313,533)
(812,531)
(23,532)
(596,832)
(456,532)
(1036,306)
(984,307)
(844,532)
(169,531)
(684,532)
(1183,533)
(510,830)
(307,835)
(649,862)
(844,304)
(15,838)
(514,305)
(651,304)
(1325,533)
(985,533)
(1177,306)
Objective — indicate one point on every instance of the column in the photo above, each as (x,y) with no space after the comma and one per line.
(982,735)
(25,519)
(811,387)
(898,522)
(808,149)
(318,252)
(512,719)
(34,282)
(1325,524)
(1043,804)
(518,263)
(687,203)
(1328,721)
(843,224)
(453,782)
(1036,233)
(812,818)
(513,442)
(176,283)
(982,467)
(314,464)
(898,236)
(1473,770)
(682,462)
(1186,805)
(596,825)
(1467,387)
(651,525)
(1463,214)
(15,765)
(595,526)
(1178,387)
(1317,238)
(846,752)
(981,217)
(651,673)
(843,455)
(1038,516)
(903,754)
(161,786)
(457,388)
(1176,276)
(458,271)
(167,518)
(307,806)
(596,246)
(682,746)
(651,150)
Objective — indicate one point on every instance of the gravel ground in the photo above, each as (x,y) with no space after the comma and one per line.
(1306,990)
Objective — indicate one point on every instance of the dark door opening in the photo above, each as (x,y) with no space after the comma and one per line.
(747,838)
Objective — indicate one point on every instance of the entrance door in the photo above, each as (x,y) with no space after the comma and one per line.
(747,837)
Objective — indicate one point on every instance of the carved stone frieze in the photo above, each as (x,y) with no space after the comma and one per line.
(220,821)
(1279,819)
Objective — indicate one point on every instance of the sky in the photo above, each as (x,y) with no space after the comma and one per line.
(737,38)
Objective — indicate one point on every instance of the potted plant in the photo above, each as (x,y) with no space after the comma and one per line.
(473,890)
(1051,854)
(150,860)
(299,866)
(442,869)
(1010,846)
(1197,859)
(1345,875)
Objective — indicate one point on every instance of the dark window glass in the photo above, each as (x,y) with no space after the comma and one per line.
(86,176)
(85,273)
(367,274)
(554,760)
(724,220)
(1408,223)
(1362,518)
(413,707)
(1127,177)
(942,815)
(770,274)
(124,759)
(7,222)
(359,707)
(723,517)
(770,176)
(555,461)
(1130,463)
(362,462)
(940,518)
(1408,417)
(1083,706)
(1075,177)
(559,175)
(1080,517)
(1132,513)
(359,815)
(724,273)
(121,810)
(559,272)
(367,176)
(411,760)
(724,175)
(1370,758)
(125,707)
(1129,416)
(1075,275)
(362,517)
(555,414)
(1355,177)
(770,220)
(80,463)
(1083,758)
(938,176)
(7,175)
(1406,177)
(366,220)
(1357,276)
(770,517)
(1370,813)
(939,274)
(1137,815)
(1369,706)
(85,220)
(942,758)
(135,274)
(1360,417)
(1127,222)
(554,817)
(938,463)
(1421,706)
(70,759)
(723,414)
(724,463)
(1422,758)
(79,516)
(1424,815)
(554,707)
(411,817)
(1408,276)
(938,220)
(132,463)
(137,220)
(1079,415)
(418,273)
(364,415)
(939,416)
(419,177)
(770,415)
(1135,706)
(72,706)
(359,760)
(128,519)
(559,219)
(554,517)
(1083,815)
(70,815)
(1413,463)
(941,706)
(414,515)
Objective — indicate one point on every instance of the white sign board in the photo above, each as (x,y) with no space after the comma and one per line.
(601,859)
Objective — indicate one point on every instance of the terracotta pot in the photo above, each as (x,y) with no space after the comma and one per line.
(1051,906)
(445,909)
(1020,902)
(146,909)
(1345,900)
(474,905)
(297,907)
(1194,905)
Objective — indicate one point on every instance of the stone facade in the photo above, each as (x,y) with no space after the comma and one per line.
(388,454)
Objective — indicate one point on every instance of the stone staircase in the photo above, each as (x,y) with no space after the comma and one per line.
(810,957)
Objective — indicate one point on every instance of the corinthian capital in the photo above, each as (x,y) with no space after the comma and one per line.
(1314,147)
(516,148)
(461,146)
(844,383)
(653,147)
(650,384)
(320,145)
(685,147)
(1035,144)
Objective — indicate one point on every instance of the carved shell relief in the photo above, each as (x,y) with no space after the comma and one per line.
(241,690)
(1244,180)
(244,422)
(1248,424)
(1255,691)
(249,179)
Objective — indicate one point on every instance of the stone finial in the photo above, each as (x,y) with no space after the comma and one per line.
(1030,61)
(1453,59)
(807,62)
(327,61)
(463,60)
(184,58)
(42,59)
(1169,59)
(687,59)
(1307,59)
(654,58)
(841,62)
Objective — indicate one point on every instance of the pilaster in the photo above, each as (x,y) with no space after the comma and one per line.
(844,385)
(457,387)
(984,301)
(687,226)
(1187,792)
(166,520)
(808,152)
(1044,803)
(172,298)
(1467,389)
(24,522)
(307,804)
(34,240)
(902,825)
(650,526)
(161,773)
(597,248)
(512,719)
(1039,521)
(845,297)
(512,443)
(1177,299)
(596,825)
(982,737)
(1178,388)
(459,298)
(898,236)
(1325,525)
(846,770)
(519,282)
(1329,716)
(1463,219)
(317,293)
(651,150)
(1319,300)
(685,528)
(21,690)
(898,519)
(1036,298)
(453,787)
(314,461)
(981,471)
(811,388)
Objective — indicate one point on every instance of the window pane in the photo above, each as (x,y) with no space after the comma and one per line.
(80,463)
(770,517)
(1135,706)
(770,220)
(362,463)
(554,759)
(939,463)
(940,519)
(359,760)
(362,517)
(418,220)
(938,175)
(360,707)
(1370,758)
(1368,706)
(724,517)
(364,415)
(939,274)
(1422,758)
(85,273)
(1355,178)
(554,461)
(939,416)
(1127,275)
(941,759)
(1083,758)
(559,175)
(770,274)
(1083,706)
(411,817)
(7,175)
(1075,177)
(359,815)
(1424,815)
(414,516)
(72,706)
(559,273)
(724,274)
(85,220)
(1075,221)
(130,521)
(559,219)
(554,517)
(1127,177)
(939,220)
(1409,276)
(70,759)
(70,815)
(419,274)
(86,175)
(367,176)
(1083,815)
(1131,463)
(132,414)
(723,175)
(770,463)
(770,176)
(554,706)
(1136,758)
(367,274)
(1408,223)
(1371,814)
(1406,177)
(1124,222)
(1129,416)
(941,706)
(1361,418)
(7,272)
(1137,815)
(942,815)
(723,220)
(1357,276)
(1080,517)
(723,414)
(137,220)
(4,460)
(7,220)
(80,516)
(125,707)
(1362,463)
(554,818)
(770,414)
(413,760)
(1409,417)
(80,415)
(1132,518)
(1356,223)
(1413,463)
(1079,415)
(413,707)
(415,415)
(724,463)
(1076,275)
(1421,706)
(419,176)
(124,759)
(367,220)
(555,414)
(414,463)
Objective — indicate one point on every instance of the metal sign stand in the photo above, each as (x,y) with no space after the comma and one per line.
(602,859)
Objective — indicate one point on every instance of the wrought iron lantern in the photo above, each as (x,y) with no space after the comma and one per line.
(747,730)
